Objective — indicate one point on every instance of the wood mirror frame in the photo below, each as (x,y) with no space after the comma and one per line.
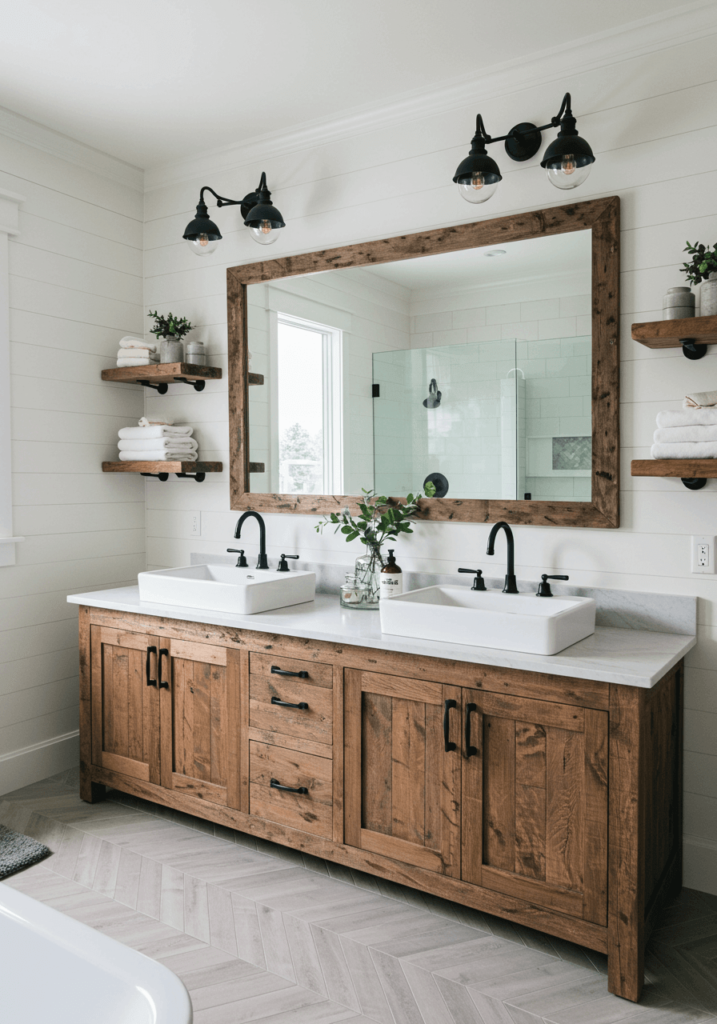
(602,216)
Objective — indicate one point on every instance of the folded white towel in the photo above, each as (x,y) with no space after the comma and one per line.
(685,450)
(166,422)
(144,432)
(687,417)
(696,433)
(161,455)
(138,444)
(140,353)
(137,361)
(129,341)
(700,400)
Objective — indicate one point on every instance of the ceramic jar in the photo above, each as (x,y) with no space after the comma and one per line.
(171,350)
(196,354)
(678,303)
(708,296)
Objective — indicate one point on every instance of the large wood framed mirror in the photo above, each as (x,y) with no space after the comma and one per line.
(484,356)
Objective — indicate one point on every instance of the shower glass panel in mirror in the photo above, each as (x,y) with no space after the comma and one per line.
(471,368)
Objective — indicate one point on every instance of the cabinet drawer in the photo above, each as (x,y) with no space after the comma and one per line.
(313,722)
(310,811)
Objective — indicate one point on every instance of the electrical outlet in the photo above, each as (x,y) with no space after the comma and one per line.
(195,524)
(703,554)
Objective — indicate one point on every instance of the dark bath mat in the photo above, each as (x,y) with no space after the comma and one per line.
(18,851)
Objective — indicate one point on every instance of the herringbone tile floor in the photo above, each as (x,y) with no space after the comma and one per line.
(260,932)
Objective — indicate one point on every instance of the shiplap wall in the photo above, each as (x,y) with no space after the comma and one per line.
(651,124)
(75,289)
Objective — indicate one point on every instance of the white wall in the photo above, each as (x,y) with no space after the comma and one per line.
(650,121)
(75,288)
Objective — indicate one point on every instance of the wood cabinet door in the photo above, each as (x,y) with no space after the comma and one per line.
(402,786)
(199,701)
(535,802)
(125,708)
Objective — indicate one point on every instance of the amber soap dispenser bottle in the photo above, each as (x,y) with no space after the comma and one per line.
(391,578)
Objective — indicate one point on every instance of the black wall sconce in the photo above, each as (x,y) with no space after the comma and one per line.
(259,213)
(567,159)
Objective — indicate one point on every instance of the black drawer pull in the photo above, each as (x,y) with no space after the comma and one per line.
(150,682)
(470,751)
(303,706)
(288,789)
(162,651)
(447,707)
(276,671)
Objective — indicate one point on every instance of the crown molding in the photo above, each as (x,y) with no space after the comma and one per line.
(648,35)
(22,129)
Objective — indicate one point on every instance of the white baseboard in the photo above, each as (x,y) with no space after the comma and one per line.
(699,869)
(30,764)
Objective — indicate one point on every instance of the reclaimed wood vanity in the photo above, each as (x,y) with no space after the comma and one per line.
(545,799)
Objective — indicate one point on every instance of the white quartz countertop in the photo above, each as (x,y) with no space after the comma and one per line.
(631,657)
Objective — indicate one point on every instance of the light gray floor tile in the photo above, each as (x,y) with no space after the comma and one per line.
(196,908)
(276,944)
(221,919)
(277,1000)
(366,982)
(337,976)
(307,967)
(427,994)
(399,995)
(247,932)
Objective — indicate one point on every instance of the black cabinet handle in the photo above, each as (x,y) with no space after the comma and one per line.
(303,706)
(162,685)
(150,682)
(447,707)
(276,671)
(288,789)
(470,751)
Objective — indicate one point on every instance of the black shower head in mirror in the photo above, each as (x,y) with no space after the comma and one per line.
(434,395)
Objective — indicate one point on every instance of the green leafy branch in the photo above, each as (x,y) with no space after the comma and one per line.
(170,325)
(702,264)
(378,520)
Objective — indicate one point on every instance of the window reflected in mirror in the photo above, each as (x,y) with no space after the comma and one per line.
(471,368)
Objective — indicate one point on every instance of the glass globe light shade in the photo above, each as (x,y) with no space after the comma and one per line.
(566,171)
(479,187)
(202,245)
(264,233)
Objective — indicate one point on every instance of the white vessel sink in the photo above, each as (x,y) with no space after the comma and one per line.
(511,622)
(225,588)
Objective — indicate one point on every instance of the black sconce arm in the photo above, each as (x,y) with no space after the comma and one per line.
(517,132)
(221,201)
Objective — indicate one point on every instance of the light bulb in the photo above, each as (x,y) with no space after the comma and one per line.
(565,172)
(202,245)
(478,189)
(264,233)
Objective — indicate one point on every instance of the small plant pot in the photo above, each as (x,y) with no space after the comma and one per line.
(171,350)
(708,296)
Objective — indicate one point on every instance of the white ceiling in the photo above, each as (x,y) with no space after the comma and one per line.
(155,80)
(549,255)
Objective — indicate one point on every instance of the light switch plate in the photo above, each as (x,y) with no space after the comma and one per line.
(703,554)
(195,524)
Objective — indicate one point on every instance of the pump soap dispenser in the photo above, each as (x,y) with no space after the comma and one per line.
(391,582)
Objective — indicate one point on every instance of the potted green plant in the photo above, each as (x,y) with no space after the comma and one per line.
(171,329)
(703,268)
(379,519)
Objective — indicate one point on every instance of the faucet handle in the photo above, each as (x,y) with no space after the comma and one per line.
(241,560)
(478,582)
(283,565)
(544,587)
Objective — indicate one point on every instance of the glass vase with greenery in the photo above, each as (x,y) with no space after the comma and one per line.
(379,519)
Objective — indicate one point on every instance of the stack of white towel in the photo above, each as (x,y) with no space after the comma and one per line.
(157,441)
(691,432)
(137,352)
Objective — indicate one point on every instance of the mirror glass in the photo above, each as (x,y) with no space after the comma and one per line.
(471,368)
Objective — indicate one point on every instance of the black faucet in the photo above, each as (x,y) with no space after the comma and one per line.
(511,587)
(262,563)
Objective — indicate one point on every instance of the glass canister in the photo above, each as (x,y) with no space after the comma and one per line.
(352,593)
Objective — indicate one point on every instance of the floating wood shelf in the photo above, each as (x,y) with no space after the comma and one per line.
(694,473)
(256,378)
(692,334)
(160,375)
(195,470)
